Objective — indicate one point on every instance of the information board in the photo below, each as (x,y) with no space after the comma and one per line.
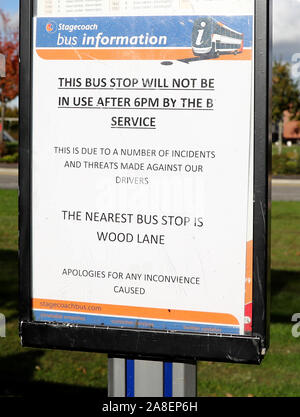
(142,139)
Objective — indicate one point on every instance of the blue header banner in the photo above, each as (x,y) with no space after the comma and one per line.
(129,31)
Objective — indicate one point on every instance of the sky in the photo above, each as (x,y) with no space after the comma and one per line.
(9,5)
(286,29)
(12,8)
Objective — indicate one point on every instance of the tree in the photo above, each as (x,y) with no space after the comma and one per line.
(9,86)
(285,96)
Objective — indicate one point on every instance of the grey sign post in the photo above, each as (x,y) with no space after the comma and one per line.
(142,378)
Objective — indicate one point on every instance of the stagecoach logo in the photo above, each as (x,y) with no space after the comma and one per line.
(51,27)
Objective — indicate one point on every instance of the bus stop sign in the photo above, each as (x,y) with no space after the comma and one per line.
(144,186)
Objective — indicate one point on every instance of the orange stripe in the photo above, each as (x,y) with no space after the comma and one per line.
(129,54)
(115,54)
(141,312)
(249,272)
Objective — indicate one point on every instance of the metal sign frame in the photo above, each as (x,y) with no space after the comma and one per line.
(150,344)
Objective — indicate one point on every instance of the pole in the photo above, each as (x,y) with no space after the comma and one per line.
(2,66)
(143,378)
(2,75)
(280,134)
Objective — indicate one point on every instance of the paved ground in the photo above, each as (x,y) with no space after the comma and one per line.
(285,190)
(282,189)
(9,178)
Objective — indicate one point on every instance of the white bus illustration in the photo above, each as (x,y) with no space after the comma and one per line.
(213,38)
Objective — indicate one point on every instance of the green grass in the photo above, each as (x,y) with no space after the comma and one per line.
(288,163)
(278,375)
(286,149)
(24,371)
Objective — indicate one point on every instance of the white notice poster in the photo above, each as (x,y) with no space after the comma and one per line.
(141,158)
